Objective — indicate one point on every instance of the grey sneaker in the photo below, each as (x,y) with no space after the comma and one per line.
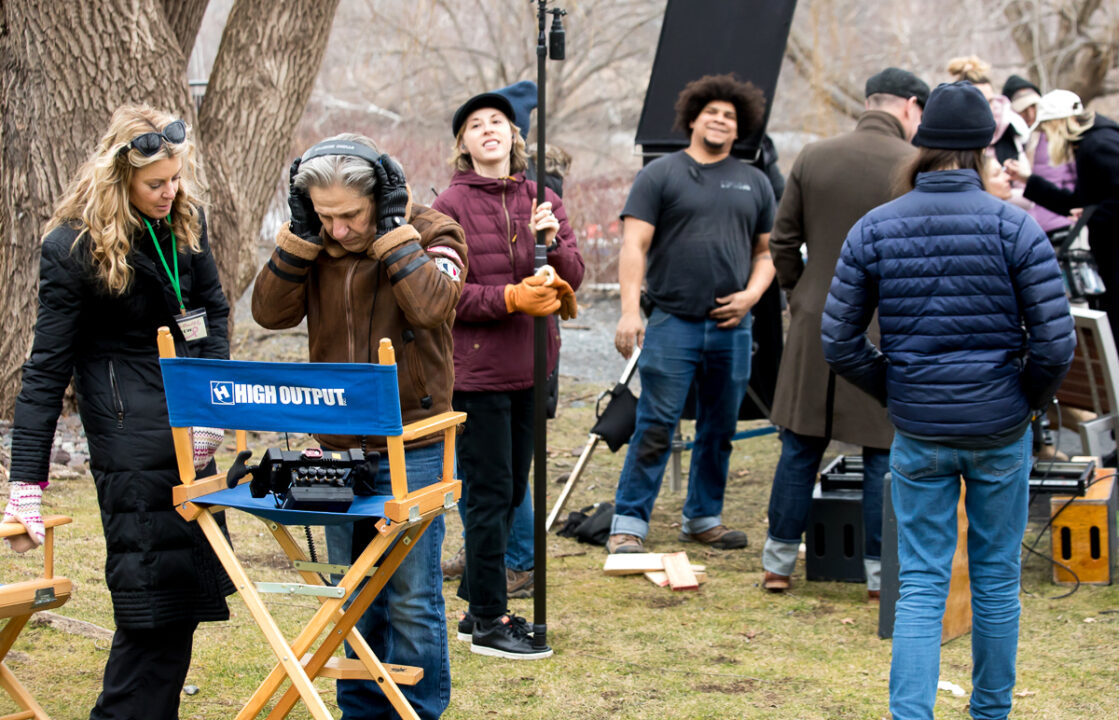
(519,584)
(720,536)
(456,566)
(623,543)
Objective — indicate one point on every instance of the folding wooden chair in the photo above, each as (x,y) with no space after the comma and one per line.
(217,393)
(18,602)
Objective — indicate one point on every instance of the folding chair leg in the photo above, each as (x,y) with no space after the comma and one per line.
(345,627)
(289,660)
(11,631)
(326,614)
(20,694)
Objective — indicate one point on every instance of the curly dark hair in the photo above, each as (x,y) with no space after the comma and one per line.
(748,101)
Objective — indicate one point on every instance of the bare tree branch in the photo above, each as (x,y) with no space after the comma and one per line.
(839,94)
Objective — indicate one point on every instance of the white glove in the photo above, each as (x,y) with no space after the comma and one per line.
(206,441)
(25,501)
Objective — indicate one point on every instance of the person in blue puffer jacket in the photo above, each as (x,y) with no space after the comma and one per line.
(976,337)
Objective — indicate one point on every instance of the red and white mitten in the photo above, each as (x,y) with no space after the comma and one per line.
(25,501)
(207,440)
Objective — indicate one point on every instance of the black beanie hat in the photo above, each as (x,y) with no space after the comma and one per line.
(957,117)
(1014,83)
(493,100)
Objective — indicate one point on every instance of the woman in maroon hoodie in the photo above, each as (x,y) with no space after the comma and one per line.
(493,335)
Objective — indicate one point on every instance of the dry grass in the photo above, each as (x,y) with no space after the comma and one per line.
(624,648)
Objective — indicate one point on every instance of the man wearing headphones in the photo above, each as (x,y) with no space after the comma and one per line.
(361,262)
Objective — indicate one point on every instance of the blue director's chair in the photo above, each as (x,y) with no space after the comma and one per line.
(333,398)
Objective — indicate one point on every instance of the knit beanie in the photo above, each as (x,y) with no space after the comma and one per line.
(522,96)
(1014,83)
(956,117)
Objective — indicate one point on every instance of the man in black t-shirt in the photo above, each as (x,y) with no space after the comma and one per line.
(696,231)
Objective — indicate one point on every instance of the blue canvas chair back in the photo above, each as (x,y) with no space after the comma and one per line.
(332,398)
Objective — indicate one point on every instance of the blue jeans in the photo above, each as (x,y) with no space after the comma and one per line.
(925,492)
(790,499)
(406,624)
(520,553)
(675,352)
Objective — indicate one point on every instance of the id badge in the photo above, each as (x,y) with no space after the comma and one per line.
(193,324)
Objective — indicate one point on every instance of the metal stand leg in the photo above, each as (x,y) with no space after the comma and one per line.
(675,480)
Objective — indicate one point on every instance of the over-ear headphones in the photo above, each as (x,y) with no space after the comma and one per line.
(341,147)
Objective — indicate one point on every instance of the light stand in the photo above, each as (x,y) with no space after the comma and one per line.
(555,42)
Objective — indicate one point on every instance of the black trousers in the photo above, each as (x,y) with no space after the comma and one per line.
(494,457)
(145,673)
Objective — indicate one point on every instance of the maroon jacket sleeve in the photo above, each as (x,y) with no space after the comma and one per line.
(477,303)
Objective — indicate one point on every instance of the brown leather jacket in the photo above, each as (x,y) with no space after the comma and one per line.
(405,288)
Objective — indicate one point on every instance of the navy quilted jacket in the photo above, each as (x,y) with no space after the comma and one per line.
(976,329)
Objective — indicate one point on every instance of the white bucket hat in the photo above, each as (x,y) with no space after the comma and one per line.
(1057,104)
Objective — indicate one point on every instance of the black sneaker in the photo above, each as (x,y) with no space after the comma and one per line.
(465,626)
(505,637)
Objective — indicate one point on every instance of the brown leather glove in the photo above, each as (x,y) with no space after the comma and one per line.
(568,307)
(532,297)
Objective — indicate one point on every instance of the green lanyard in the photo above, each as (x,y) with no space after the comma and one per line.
(174,277)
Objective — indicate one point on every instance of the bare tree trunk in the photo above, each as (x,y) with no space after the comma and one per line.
(65,66)
(260,83)
(185,17)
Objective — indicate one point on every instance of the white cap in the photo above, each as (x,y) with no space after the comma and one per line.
(1057,104)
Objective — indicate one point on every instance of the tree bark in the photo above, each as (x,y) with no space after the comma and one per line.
(185,17)
(264,72)
(65,67)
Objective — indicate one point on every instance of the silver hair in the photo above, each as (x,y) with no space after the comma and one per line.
(345,170)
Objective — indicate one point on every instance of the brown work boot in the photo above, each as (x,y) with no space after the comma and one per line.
(720,537)
(873,596)
(519,584)
(456,566)
(624,544)
(775,583)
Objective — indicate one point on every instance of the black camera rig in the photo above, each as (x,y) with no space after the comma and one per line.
(310,479)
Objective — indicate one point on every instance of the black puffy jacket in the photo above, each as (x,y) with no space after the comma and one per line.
(160,569)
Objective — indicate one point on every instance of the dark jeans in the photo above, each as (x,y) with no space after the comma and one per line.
(676,352)
(144,674)
(791,496)
(494,456)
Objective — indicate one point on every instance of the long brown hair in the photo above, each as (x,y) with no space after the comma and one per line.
(97,200)
(929,159)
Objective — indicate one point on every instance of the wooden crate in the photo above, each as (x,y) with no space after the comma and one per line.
(1083,532)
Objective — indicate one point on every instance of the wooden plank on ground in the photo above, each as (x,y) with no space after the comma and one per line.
(660,577)
(679,570)
(632,563)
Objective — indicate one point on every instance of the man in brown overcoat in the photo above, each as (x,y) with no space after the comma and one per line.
(832,184)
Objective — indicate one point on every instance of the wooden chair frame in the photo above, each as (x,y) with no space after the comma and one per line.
(407,517)
(18,602)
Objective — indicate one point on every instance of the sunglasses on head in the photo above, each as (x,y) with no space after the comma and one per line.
(149,144)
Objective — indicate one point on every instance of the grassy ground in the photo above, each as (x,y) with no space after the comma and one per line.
(624,648)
